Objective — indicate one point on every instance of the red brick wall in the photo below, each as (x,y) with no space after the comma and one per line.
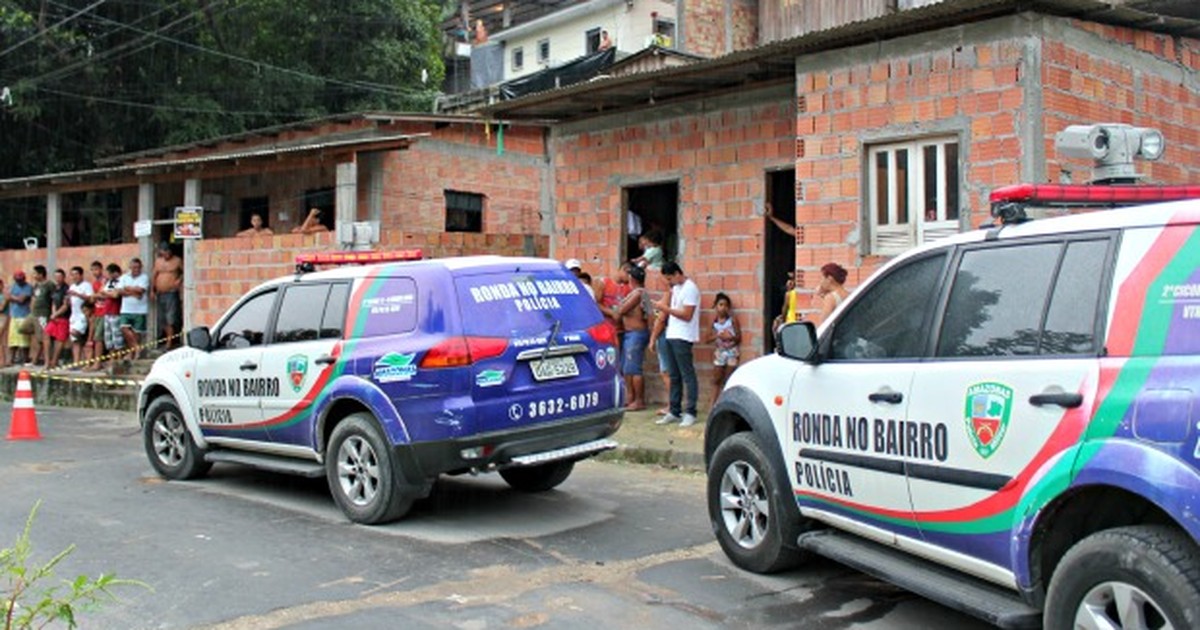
(983,85)
(745,24)
(227,268)
(705,23)
(24,259)
(719,160)
(1081,88)
(465,158)
(977,83)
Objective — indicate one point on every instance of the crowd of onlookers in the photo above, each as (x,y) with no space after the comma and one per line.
(669,326)
(95,315)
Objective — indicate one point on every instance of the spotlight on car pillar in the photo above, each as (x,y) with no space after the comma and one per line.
(1112,147)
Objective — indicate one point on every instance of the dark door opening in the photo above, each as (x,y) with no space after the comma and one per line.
(254,205)
(779,249)
(322,199)
(649,209)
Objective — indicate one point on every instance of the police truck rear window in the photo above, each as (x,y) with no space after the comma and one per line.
(508,304)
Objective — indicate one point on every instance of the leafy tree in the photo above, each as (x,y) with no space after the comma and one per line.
(91,78)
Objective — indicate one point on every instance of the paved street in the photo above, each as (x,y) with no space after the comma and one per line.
(617,546)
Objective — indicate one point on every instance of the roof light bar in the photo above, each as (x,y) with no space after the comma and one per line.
(358,258)
(1085,195)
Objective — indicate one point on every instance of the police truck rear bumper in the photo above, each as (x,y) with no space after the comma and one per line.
(572,439)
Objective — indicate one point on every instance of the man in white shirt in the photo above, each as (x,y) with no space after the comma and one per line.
(134,289)
(682,307)
(79,292)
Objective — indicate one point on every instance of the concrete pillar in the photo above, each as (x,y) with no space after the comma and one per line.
(346,202)
(191,197)
(146,251)
(373,162)
(53,231)
(145,212)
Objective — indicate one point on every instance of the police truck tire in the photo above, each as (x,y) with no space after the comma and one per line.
(169,445)
(1129,577)
(537,478)
(755,522)
(361,474)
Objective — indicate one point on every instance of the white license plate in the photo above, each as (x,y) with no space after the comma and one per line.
(554,367)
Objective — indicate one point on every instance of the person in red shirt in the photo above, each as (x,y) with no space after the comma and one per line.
(94,347)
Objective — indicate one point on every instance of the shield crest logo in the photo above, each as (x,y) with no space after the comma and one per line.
(297,368)
(988,407)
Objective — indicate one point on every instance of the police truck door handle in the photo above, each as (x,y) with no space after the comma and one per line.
(892,398)
(1067,400)
(325,360)
(249,365)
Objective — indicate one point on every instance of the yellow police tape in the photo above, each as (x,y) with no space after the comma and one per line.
(55,374)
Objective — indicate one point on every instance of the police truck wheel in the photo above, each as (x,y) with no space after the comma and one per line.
(1144,577)
(756,522)
(169,445)
(537,478)
(361,476)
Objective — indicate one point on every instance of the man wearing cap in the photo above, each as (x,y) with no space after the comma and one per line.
(19,296)
(574,266)
(168,278)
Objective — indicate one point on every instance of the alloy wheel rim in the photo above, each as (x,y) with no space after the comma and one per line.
(169,439)
(358,471)
(1117,605)
(745,510)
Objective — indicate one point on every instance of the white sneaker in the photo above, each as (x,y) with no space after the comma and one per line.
(667,419)
(688,420)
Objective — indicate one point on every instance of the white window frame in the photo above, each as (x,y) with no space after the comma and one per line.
(543,50)
(518,58)
(894,237)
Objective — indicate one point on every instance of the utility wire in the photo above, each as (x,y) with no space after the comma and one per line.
(189,110)
(363,85)
(51,27)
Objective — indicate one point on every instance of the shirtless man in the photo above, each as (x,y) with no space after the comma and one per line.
(168,279)
(256,227)
(312,223)
(633,311)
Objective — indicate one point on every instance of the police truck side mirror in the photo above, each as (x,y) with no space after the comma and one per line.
(798,340)
(199,338)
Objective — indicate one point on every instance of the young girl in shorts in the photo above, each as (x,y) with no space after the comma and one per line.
(726,335)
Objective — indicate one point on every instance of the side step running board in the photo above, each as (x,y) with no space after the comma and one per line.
(273,463)
(945,586)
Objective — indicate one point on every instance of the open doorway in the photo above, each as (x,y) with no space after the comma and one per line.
(779,249)
(651,208)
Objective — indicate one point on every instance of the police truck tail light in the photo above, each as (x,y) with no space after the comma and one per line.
(604,333)
(462,351)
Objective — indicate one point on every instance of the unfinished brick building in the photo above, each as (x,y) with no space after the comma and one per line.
(871,136)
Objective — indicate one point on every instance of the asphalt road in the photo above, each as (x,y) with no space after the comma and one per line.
(617,546)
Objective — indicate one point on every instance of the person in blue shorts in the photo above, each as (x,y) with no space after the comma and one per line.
(634,311)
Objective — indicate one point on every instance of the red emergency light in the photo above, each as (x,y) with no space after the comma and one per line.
(357,258)
(1094,195)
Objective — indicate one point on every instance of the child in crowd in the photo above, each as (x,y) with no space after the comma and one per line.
(652,253)
(725,335)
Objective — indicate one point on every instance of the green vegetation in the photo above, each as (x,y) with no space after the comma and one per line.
(93,78)
(30,597)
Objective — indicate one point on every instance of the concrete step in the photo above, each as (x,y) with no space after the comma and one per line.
(93,390)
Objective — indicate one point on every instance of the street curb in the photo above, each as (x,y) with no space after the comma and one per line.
(665,457)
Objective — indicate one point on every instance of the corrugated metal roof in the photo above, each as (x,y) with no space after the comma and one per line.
(319,144)
(776,61)
(302,125)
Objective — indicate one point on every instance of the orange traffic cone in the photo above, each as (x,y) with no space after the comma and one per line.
(24,420)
